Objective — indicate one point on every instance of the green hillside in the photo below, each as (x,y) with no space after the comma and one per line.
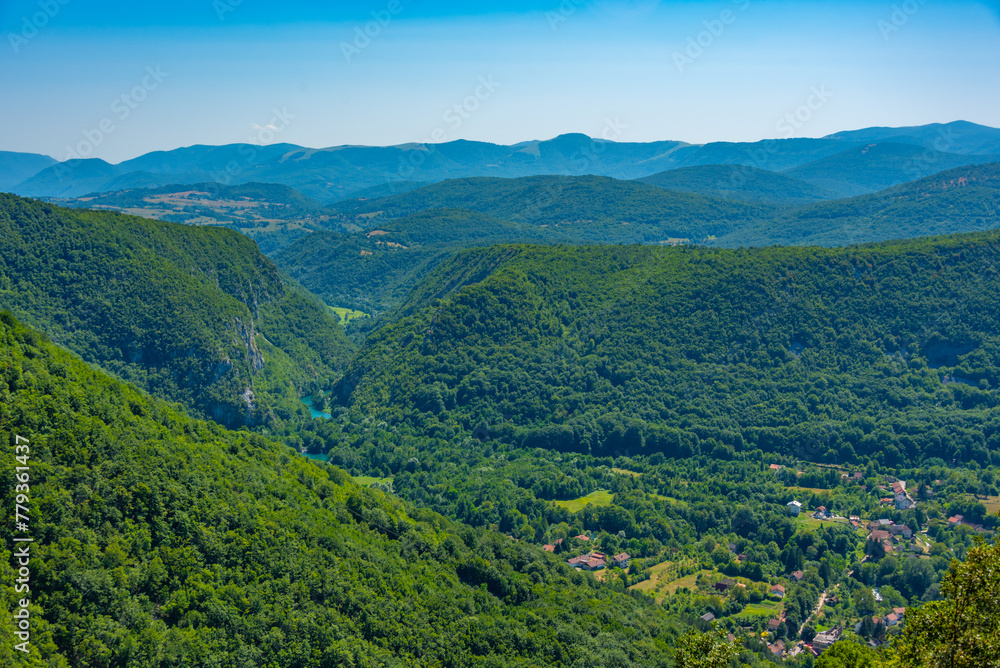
(405,236)
(577,209)
(193,314)
(838,353)
(373,271)
(964,199)
(670,402)
(876,166)
(739,182)
(163,541)
(272,215)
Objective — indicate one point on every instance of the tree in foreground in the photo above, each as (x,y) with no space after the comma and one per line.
(847,654)
(705,650)
(963,631)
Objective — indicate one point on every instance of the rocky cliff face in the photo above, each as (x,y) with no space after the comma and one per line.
(247,336)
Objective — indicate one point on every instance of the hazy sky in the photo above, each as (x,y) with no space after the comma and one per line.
(117,79)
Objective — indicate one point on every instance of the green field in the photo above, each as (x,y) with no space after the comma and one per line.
(634,474)
(772,608)
(992,503)
(367,481)
(599,498)
(806,520)
(649,586)
(669,498)
(658,584)
(809,490)
(346,315)
(688,581)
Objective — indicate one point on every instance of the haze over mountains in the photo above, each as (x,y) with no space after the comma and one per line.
(16,167)
(336,173)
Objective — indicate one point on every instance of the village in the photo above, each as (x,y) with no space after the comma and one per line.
(844,610)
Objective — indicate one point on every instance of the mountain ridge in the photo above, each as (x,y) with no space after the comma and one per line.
(649,337)
(330,174)
(167,541)
(195,314)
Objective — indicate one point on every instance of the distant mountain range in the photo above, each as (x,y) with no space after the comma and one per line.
(844,163)
(16,167)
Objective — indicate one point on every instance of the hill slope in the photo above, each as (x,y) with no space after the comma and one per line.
(639,349)
(194,314)
(406,235)
(16,167)
(372,271)
(955,137)
(272,215)
(873,167)
(580,209)
(965,199)
(739,182)
(164,541)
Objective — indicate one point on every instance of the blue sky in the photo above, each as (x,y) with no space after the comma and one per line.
(118,79)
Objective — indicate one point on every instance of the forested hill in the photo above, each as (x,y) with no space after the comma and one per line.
(873,167)
(373,271)
(161,541)
(739,182)
(407,235)
(965,199)
(401,237)
(270,214)
(192,314)
(888,351)
(575,209)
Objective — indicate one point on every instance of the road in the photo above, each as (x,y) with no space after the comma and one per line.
(819,606)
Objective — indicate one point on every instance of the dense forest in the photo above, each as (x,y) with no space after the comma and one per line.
(739,182)
(192,314)
(374,271)
(966,199)
(671,402)
(818,422)
(577,209)
(166,541)
(886,351)
(161,540)
(400,238)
